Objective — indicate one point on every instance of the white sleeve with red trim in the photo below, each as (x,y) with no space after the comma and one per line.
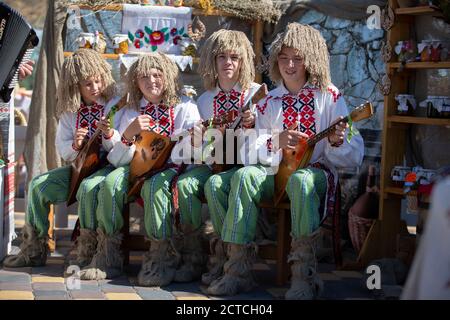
(264,124)
(122,153)
(65,135)
(348,154)
(187,114)
(108,143)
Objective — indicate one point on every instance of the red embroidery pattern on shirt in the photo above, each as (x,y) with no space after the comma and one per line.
(162,118)
(300,109)
(225,102)
(88,117)
(336,95)
(269,144)
(262,109)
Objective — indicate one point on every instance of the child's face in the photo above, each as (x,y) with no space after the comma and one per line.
(152,86)
(91,89)
(291,65)
(228,64)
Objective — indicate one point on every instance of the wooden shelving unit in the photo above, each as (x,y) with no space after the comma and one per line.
(420,65)
(257,30)
(416,11)
(382,238)
(113,56)
(419,120)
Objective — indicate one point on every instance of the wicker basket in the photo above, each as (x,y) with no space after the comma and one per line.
(358,228)
(412,205)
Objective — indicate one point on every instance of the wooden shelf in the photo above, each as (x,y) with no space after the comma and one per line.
(394,190)
(421,65)
(417,11)
(419,120)
(113,56)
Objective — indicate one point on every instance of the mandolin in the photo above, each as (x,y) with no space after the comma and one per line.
(88,159)
(153,150)
(258,95)
(299,158)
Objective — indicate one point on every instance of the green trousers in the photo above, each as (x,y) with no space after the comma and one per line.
(233,199)
(52,187)
(157,196)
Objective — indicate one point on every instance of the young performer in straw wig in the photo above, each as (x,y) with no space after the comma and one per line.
(227,67)
(157,106)
(85,96)
(304,98)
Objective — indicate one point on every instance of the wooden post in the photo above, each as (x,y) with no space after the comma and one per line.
(51,229)
(258,45)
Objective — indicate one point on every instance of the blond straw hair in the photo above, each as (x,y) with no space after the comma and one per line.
(142,67)
(220,42)
(83,64)
(311,47)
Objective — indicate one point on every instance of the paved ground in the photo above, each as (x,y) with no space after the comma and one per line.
(48,283)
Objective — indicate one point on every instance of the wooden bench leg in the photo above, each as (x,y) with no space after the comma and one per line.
(51,229)
(126,235)
(283,246)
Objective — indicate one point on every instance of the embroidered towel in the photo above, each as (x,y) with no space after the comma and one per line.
(155,28)
(181,61)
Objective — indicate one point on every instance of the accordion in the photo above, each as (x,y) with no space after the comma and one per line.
(17,40)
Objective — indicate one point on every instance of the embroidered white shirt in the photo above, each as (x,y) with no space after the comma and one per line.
(185,115)
(67,128)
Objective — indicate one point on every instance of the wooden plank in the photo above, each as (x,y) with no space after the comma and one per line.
(51,229)
(420,120)
(270,205)
(113,56)
(258,46)
(394,190)
(415,11)
(421,65)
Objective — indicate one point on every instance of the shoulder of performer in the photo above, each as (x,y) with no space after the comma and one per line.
(273,95)
(332,93)
(205,99)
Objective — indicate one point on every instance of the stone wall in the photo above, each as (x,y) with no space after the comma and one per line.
(356,67)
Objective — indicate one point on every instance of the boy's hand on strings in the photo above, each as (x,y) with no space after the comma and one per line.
(289,138)
(80,136)
(139,124)
(105,126)
(197,134)
(248,119)
(337,137)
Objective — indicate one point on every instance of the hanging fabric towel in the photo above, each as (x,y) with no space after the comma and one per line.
(155,28)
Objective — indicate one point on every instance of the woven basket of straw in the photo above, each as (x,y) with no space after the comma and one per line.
(358,228)
(412,204)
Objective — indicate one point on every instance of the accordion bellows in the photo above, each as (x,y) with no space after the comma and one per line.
(17,39)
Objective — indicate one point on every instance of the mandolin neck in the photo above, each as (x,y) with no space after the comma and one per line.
(325,133)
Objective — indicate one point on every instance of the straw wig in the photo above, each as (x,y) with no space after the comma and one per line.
(142,67)
(311,47)
(222,41)
(83,64)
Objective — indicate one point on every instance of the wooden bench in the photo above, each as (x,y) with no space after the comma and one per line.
(278,252)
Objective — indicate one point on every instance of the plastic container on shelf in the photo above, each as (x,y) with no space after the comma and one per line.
(406,104)
(406,50)
(85,40)
(437,106)
(398,175)
(435,51)
(120,42)
(424,51)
